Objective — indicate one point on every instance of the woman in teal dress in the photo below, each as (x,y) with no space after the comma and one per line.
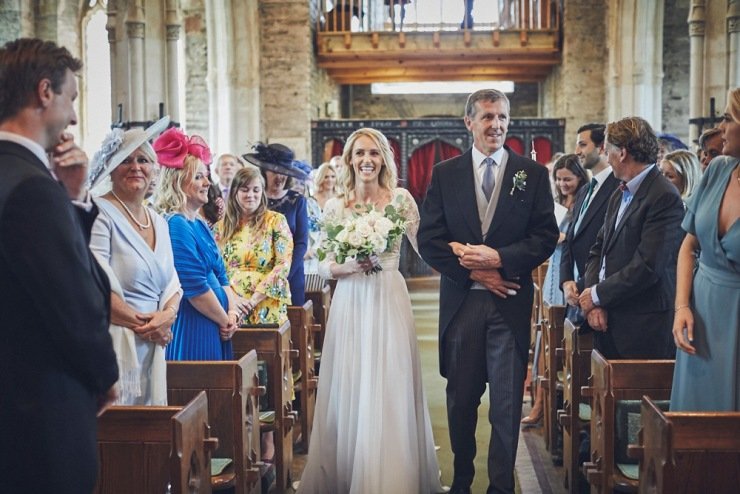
(208,311)
(707,320)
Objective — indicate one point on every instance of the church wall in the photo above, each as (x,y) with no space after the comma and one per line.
(286,74)
(364,104)
(576,90)
(676,59)
(196,63)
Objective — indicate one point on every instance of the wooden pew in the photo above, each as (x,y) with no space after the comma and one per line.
(273,347)
(155,449)
(682,452)
(576,369)
(612,382)
(321,302)
(552,340)
(232,388)
(302,330)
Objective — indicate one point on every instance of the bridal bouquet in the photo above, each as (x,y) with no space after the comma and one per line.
(363,234)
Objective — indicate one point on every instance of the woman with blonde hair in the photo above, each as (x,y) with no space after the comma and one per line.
(370,388)
(683,170)
(208,313)
(257,248)
(705,325)
(325,184)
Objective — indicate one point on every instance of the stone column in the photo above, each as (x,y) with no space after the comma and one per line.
(173,35)
(220,32)
(110,26)
(46,20)
(733,48)
(697,21)
(636,61)
(135,32)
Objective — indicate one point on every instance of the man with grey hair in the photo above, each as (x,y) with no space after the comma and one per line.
(630,275)
(486,223)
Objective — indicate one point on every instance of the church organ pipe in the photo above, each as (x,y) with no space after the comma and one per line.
(697,21)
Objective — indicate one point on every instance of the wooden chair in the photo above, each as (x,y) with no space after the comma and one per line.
(612,384)
(155,449)
(302,330)
(573,418)
(552,341)
(273,347)
(232,388)
(688,451)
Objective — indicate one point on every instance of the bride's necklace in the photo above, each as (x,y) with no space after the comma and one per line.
(131,215)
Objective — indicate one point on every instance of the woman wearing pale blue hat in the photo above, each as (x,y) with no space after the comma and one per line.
(132,243)
(279,166)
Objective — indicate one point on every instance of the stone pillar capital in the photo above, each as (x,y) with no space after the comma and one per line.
(733,17)
(697,18)
(135,29)
(173,32)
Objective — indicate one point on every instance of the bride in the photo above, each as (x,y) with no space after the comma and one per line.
(371,430)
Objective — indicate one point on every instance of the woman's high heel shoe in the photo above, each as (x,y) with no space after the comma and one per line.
(533,419)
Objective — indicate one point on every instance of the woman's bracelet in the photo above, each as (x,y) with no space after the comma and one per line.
(681,307)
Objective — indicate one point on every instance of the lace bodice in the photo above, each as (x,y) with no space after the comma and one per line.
(335,210)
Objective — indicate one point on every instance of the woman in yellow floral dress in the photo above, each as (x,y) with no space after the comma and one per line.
(257,247)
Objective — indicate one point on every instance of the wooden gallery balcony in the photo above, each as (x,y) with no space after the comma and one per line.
(365,41)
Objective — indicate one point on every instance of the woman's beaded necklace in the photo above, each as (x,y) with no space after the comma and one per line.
(141,225)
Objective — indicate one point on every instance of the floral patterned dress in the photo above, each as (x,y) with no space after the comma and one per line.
(258,259)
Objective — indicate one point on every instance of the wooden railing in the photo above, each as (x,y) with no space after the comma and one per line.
(340,16)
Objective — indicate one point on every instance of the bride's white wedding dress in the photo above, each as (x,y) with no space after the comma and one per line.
(371,431)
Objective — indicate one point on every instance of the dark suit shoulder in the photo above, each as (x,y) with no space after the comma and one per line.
(454,162)
(661,188)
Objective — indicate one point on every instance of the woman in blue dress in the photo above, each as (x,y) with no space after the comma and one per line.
(132,244)
(208,313)
(706,326)
(278,167)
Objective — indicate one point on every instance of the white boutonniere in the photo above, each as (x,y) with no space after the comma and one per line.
(520,182)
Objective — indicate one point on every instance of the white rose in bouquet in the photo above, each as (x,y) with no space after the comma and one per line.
(342,236)
(363,227)
(379,242)
(355,239)
(383,226)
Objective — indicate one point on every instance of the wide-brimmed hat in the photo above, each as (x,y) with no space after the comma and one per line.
(275,158)
(117,146)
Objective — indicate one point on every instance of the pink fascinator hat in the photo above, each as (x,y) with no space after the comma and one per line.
(173,146)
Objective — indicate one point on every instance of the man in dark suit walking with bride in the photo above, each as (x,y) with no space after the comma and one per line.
(486,223)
